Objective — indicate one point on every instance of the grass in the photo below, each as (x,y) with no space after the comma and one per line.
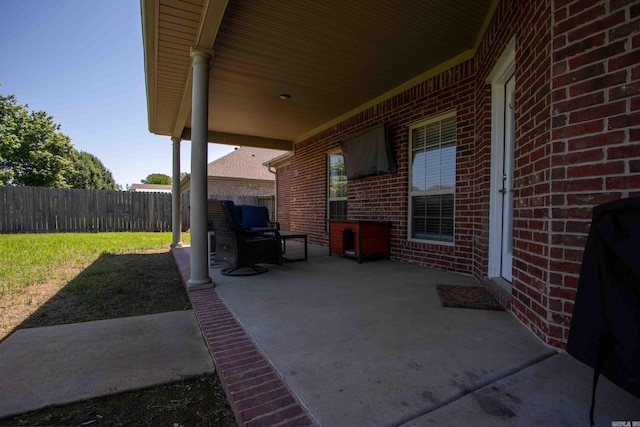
(53,279)
(27,259)
(57,278)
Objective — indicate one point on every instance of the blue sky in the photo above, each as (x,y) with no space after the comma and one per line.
(81,61)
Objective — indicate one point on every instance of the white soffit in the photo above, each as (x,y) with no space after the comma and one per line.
(330,56)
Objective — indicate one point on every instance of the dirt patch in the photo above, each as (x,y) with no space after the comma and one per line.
(17,308)
(195,402)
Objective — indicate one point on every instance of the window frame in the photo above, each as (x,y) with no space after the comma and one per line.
(412,193)
(330,199)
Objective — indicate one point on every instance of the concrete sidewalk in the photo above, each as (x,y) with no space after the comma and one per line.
(61,364)
(370,345)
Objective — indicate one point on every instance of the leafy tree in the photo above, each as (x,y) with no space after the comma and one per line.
(88,172)
(157,178)
(32,149)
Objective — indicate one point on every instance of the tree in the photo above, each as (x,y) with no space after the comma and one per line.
(88,172)
(157,178)
(32,149)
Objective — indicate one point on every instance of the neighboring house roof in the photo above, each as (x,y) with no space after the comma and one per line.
(151,188)
(244,162)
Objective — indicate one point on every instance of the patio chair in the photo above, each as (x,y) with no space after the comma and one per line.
(240,247)
(254,217)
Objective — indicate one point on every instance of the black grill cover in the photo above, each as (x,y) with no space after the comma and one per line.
(605,329)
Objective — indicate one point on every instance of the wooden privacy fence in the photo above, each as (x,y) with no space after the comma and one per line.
(37,209)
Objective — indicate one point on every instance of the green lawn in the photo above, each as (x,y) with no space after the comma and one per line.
(26,259)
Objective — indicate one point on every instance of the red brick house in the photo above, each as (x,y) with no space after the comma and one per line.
(522,117)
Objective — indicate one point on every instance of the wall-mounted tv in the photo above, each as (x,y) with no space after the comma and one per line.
(368,153)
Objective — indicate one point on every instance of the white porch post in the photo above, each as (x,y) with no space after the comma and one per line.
(176,219)
(199,128)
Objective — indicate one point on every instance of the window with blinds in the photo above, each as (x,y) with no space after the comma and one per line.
(337,191)
(433,179)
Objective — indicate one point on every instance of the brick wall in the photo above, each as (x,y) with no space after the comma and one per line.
(239,187)
(576,145)
(596,139)
(384,197)
(283,196)
(532,179)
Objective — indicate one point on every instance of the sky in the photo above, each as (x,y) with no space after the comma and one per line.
(82,62)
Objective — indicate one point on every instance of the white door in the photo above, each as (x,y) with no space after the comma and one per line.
(506,192)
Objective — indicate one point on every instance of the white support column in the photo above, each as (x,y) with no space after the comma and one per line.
(176,218)
(199,128)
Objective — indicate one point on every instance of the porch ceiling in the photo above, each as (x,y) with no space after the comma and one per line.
(333,57)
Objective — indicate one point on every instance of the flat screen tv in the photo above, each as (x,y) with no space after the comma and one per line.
(368,153)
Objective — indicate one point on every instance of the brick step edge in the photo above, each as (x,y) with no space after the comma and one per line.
(255,391)
(503,297)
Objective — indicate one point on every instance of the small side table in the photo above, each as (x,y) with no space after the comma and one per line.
(286,234)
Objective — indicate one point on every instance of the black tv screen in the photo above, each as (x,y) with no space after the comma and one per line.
(368,153)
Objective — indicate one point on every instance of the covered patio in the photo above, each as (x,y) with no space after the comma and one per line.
(271,75)
(335,343)
(530,109)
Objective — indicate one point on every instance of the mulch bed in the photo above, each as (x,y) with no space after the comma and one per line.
(467,297)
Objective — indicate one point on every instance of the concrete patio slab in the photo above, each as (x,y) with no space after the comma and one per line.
(67,363)
(335,343)
(370,344)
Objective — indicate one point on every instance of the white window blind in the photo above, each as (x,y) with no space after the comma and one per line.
(433,177)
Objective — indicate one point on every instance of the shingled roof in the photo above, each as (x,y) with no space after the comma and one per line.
(244,162)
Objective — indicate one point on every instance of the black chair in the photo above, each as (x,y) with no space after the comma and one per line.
(250,216)
(240,247)
(605,326)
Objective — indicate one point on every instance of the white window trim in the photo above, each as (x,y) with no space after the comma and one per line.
(329,198)
(412,193)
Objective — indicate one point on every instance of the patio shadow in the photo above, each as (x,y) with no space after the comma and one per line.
(114,286)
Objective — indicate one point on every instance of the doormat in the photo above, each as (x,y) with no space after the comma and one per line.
(467,297)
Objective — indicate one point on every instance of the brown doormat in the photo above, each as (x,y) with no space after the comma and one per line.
(467,297)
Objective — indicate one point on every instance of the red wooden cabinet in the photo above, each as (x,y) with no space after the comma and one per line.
(360,239)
